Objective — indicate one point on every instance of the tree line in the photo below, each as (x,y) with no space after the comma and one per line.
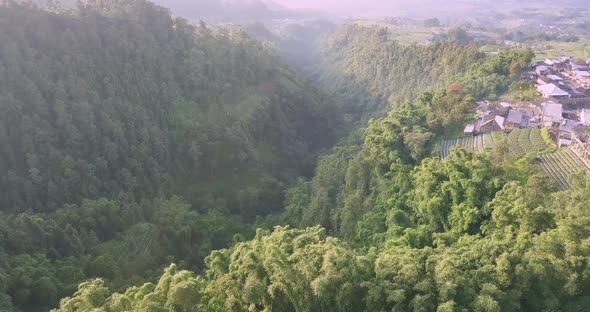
(369,73)
(130,139)
(100,128)
(386,226)
(516,247)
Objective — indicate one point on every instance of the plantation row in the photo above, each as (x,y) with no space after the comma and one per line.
(520,142)
(524,141)
(498,137)
(536,139)
(561,166)
(516,144)
(472,143)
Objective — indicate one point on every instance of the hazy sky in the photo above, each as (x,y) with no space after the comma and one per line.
(315,4)
(332,4)
(367,6)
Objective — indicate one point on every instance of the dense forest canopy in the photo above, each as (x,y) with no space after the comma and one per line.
(415,233)
(133,142)
(369,73)
(409,232)
(109,109)
(133,101)
(351,183)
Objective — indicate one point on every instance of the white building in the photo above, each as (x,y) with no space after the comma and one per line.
(551,90)
(585,117)
(554,77)
(552,114)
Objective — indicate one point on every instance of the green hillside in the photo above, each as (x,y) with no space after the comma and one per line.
(110,109)
(398,231)
(562,165)
(368,73)
(133,142)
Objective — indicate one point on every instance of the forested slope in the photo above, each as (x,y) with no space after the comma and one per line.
(409,232)
(369,73)
(359,177)
(109,109)
(138,102)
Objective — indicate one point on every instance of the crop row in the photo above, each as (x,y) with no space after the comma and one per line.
(523,141)
(472,143)
(536,140)
(515,143)
(561,166)
(520,142)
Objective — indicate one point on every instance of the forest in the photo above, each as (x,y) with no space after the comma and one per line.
(398,230)
(149,164)
(397,73)
(130,139)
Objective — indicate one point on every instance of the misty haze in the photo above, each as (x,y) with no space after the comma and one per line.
(294,155)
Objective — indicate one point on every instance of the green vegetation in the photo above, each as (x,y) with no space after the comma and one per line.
(547,137)
(524,91)
(110,109)
(525,141)
(472,239)
(535,140)
(348,182)
(520,142)
(407,34)
(402,219)
(563,166)
(369,74)
(432,22)
(131,140)
(477,144)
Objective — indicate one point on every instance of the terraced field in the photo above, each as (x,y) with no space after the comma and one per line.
(524,141)
(561,165)
(472,143)
(520,142)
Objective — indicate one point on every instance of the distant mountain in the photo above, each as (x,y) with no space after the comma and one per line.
(426,8)
(226,10)
(213,11)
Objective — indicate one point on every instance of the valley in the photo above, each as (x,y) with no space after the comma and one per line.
(278,156)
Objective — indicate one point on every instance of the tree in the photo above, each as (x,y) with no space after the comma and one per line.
(524,91)
(432,22)
(459,36)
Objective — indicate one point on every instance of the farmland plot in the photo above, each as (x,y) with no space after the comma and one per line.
(561,166)
(471,143)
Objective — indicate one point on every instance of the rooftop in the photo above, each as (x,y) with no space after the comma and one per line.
(514,116)
(583,73)
(541,68)
(552,111)
(500,121)
(551,90)
(544,80)
(469,129)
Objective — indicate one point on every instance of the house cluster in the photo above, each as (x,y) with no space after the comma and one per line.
(503,116)
(565,120)
(562,78)
(564,108)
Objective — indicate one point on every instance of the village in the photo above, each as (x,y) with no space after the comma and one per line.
(554,127)
(563,106)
